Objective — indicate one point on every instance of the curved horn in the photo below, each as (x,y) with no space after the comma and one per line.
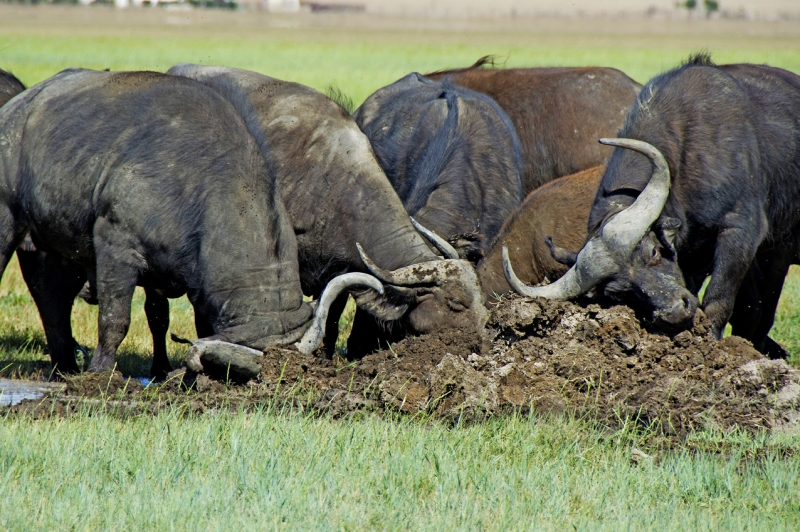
(628,226)
(566,287)
(313,336)
(441,244)
(384,275)
(416,274)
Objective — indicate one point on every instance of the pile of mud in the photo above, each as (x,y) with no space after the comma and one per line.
(539,355)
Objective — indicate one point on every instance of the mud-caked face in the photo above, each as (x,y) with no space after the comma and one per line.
(429,296)
(454,301)
(652,282)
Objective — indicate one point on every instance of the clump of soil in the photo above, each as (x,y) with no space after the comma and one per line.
(560,354)
(548,356)
(108,384)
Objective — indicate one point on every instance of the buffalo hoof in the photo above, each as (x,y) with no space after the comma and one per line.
(160,373)
(773,349)
(101,363)
(224,361)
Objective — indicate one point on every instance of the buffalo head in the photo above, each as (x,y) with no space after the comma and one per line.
(428,296)
(631,257)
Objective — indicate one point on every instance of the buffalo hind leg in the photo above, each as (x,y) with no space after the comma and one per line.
(114,296)
(117,273)
(54,282)
(156,307)
(757,301)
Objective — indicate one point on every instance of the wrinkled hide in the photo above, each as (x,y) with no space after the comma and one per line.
(142,178)
(452,155)
(558,112)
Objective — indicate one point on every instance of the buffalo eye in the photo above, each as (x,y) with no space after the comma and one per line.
(650,253)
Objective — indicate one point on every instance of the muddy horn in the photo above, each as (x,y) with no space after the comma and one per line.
(313,336)
(618,236)
(416,274)
(225,360)
(441,244)
(566,287)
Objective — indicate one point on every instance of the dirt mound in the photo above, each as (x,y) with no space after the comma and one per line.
(604,360)
(543,355)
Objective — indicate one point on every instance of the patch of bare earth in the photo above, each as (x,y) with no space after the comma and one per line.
(536,354)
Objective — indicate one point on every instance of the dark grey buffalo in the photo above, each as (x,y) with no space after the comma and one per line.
(729,137)
(142,178)
(558,112)
(452,155)
(337,196)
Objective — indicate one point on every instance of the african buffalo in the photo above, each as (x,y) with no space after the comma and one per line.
(558,112)
(558,210)
(337,196)
(728,138)
(142,178)
(451,154)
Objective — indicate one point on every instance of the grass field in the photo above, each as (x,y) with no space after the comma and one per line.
(273,469)
(266,471)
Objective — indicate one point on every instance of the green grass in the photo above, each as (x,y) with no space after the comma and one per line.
(360,55)
(267,470)
(786,329)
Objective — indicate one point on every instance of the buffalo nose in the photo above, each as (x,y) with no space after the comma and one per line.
(682,311)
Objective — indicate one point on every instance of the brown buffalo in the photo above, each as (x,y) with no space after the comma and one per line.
(557,210)
(559,113)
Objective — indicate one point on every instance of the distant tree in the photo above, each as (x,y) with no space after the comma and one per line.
(709,5)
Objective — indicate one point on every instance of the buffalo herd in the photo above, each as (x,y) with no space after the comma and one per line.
(441,193)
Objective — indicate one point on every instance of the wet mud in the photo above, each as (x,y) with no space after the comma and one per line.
(545,356)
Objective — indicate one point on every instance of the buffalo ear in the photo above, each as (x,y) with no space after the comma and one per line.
(668,230)
(561,255)
(469,246)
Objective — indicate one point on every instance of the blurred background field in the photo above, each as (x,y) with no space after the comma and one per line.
(360,52)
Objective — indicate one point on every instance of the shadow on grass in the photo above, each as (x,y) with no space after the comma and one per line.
(22,341)
(23,354)
(137,364)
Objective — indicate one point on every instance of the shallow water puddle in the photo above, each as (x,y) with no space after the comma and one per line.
(13,391)
(145,381)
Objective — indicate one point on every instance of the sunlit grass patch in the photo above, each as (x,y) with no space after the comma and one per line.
(273,469)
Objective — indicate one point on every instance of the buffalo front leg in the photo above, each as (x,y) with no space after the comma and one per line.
(156,308)
(202,325)
(54,282)
(733,258)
